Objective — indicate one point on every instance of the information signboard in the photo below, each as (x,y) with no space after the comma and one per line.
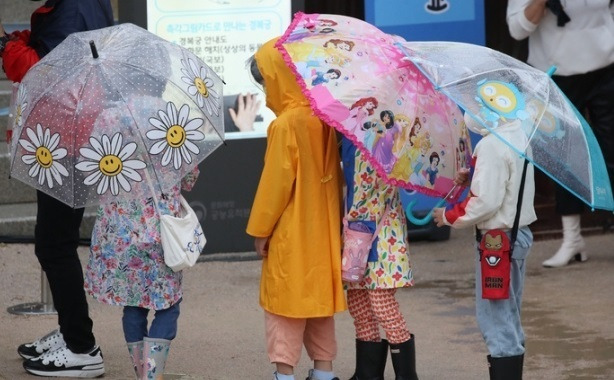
(224,34)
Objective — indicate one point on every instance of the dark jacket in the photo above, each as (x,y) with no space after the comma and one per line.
(50,25)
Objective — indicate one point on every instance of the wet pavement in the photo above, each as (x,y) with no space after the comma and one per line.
(567,315)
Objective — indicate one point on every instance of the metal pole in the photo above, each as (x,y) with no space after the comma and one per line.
(45,307)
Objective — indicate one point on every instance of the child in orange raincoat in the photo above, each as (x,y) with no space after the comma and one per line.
(296,218)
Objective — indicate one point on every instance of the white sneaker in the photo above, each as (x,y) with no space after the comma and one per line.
(63,362)
(49,342)
(312,376)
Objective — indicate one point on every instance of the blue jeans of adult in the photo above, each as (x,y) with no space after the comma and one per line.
(499,320)
(163,325)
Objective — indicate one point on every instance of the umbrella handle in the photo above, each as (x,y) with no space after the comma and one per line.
(426,219)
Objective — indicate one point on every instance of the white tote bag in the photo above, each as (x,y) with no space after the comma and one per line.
(182,238)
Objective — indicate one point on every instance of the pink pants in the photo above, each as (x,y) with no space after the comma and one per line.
(285,338)
(371,308)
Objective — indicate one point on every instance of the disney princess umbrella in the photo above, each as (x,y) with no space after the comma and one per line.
(358,81)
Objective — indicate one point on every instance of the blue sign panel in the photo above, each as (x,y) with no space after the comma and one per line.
(429,20)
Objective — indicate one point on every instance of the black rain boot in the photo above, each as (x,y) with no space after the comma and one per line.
(370,360)
(507,368)
(404,359)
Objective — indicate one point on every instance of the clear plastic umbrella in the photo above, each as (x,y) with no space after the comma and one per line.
(496,89)
(114,113)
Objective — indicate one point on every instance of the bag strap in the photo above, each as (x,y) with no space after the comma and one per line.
(153,197)
(378,226)
(518,206)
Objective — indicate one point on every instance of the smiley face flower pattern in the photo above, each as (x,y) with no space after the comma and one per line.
(176,133)
(43,156)
(110,165)
(21,105)
(200,86)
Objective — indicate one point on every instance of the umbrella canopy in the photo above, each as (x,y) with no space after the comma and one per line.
(496,89)
(358,82)
(115,112)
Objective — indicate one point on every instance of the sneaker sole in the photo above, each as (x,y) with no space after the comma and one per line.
(89,371)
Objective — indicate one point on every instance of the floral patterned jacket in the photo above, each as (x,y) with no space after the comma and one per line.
(366,199)
(126,265)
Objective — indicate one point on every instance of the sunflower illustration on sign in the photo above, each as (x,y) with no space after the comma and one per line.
(110,164)
(176,133)
(43,156)
(200,86)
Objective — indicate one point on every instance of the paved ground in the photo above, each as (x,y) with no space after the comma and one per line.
(567,316)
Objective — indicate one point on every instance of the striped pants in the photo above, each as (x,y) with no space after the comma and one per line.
(372,308)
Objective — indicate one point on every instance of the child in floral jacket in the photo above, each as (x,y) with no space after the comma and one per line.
(372,302)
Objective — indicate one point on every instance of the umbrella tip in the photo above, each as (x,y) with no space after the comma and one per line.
(551,71)
(94,50)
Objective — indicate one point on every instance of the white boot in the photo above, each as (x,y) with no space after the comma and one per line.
(573,246)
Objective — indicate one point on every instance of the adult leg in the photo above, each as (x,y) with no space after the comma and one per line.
(577,88)
(601,114)
(402,343)
(56,241)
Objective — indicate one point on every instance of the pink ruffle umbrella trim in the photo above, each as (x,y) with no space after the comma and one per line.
(298,17)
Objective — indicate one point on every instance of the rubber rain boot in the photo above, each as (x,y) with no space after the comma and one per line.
(370,360)
(404,359)
(506,368)
(155,353)
(136,354)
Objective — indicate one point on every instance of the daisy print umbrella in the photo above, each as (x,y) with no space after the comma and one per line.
(114,113)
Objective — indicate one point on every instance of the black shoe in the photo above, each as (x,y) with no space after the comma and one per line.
(49,342)
(64,362)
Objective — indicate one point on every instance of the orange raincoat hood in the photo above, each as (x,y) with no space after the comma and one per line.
(282,91)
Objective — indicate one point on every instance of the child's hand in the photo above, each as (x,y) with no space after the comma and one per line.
(262,246)
(462,177)
(438,216)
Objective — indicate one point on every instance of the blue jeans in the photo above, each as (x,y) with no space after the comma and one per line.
(499,320)
(163,326)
